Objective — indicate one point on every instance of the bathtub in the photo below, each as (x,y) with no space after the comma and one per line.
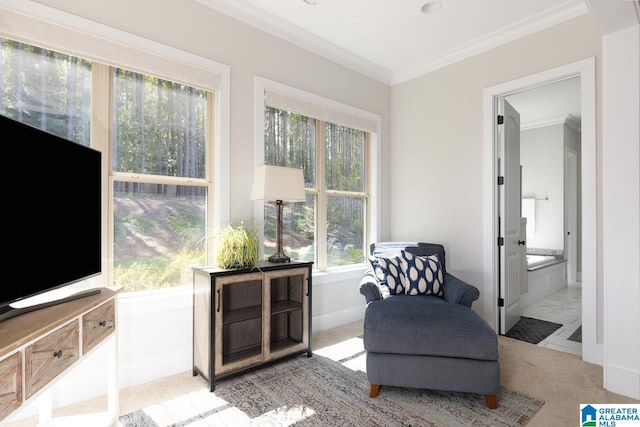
(546,274)
(535,262)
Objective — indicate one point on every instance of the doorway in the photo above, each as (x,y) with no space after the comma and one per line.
(548,302)
(585,69)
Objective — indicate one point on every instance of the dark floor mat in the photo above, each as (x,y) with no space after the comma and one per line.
(576,335)
(532,330)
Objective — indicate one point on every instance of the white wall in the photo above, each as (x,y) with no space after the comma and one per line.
(542,160)
(621,211)
(437,140)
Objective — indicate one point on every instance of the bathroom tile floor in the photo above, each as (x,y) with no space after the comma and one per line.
(565,307)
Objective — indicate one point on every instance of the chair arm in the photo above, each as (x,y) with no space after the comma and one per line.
(370,288)
(458,291)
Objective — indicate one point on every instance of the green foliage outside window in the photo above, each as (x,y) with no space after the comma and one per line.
(159,130)
(292,140)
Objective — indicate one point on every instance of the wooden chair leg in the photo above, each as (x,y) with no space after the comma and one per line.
(375,389)
(492,401)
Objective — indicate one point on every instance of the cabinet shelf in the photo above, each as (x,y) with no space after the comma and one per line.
(283,343)
(242,314)
(284,307)
(240,355)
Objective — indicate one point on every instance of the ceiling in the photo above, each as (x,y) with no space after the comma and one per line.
(550,104)
(393,41)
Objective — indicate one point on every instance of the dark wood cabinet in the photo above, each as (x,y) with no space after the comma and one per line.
(246,317)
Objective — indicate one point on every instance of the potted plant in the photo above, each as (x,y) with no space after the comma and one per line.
(237,247)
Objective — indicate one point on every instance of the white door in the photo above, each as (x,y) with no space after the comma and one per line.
(510,193)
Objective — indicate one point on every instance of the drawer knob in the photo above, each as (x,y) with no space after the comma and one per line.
(103,323)
(57,354)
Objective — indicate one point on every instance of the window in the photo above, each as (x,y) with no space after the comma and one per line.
(332,228)
(159,137)
(159,185)
(47,90)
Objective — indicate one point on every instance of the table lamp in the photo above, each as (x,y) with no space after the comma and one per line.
(281,184)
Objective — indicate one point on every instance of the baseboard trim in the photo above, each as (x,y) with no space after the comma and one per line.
(334,319)
(622,381)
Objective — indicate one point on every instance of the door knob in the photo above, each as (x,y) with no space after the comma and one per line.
(522,242)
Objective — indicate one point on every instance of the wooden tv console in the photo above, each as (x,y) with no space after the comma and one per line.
(36,348)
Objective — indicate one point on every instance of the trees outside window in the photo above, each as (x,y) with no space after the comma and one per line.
(158,181)
(330,227)
(45,89)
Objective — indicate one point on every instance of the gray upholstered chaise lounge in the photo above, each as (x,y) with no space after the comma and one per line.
(426,341)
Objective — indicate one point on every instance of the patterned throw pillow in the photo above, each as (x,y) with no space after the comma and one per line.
(389,272)
(423,274)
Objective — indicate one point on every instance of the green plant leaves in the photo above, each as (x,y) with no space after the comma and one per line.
(237,247)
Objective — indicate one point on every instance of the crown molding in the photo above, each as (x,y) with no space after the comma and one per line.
(282,29)
(562,12)
(244,12)
(570,120)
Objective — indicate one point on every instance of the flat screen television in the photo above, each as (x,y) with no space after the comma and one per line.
(52,211)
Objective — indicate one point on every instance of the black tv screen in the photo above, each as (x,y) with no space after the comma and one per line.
(52,211)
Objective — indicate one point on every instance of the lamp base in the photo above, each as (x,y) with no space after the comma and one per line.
(279,258)
(279,255)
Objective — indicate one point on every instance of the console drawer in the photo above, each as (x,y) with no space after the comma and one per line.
(98,324)
(50,356)
(10,384)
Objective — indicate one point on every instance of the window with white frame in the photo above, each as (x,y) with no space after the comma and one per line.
(332,147)
(159,175)
(159,139)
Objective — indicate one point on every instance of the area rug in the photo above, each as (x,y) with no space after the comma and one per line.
(532,330)
(576,335)
(318,391)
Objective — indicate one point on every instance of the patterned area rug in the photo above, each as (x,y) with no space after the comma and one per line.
(318,391)
(532,330)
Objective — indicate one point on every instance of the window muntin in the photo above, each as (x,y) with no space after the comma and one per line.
(48,90)
(337,199)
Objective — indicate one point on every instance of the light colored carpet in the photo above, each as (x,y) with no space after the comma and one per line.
(562,380)
(318,391)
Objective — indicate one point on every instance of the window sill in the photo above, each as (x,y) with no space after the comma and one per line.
(347,273)
(153,296)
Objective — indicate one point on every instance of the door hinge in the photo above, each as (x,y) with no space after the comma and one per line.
(501,180)
(500,302)
(500,241)
(500,119)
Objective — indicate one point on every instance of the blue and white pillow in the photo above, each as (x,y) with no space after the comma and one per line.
(390,273)
(423,274)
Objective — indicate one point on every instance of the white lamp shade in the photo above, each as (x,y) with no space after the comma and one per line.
(278,183)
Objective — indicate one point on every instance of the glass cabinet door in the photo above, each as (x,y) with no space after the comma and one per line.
(238,303)
(287,292)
